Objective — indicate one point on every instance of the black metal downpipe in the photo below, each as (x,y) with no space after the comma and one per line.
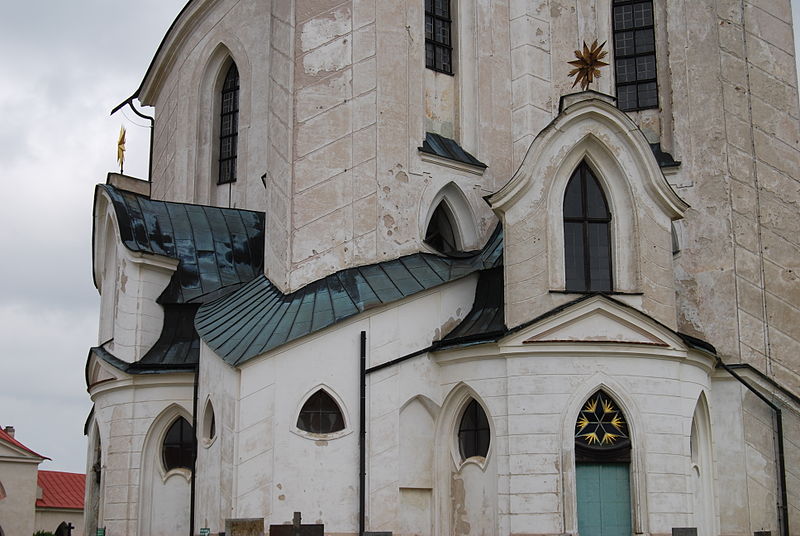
(152,120)
(362,440)
(194,450)
(783,513)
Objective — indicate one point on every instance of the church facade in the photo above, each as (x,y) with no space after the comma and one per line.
(393,270)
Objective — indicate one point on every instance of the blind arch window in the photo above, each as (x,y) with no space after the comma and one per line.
(229,126)
(587,234)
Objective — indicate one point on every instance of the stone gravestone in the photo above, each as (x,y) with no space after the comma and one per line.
(244,527)
(684,531)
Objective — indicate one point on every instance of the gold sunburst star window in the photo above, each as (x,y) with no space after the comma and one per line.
(601,424)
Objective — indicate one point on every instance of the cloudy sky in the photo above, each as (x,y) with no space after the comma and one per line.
(64,66)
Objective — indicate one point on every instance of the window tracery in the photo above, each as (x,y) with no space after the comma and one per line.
(601,431)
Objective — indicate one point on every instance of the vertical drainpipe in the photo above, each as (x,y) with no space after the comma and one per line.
(194,449)
(362,440)
(783,513)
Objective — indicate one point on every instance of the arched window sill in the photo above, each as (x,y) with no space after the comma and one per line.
(480,461)
(321,437)
(178,471)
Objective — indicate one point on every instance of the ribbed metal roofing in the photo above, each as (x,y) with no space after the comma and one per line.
(486,319)
(258,317)
(219,249)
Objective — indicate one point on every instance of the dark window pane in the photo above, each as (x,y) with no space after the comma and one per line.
(573,256)
(430,55)
(437,36)
(474,434)
(623,44)
(599,257)
(178,447)
(429,27)
(595,201)
(429,6)
(320,415)
(626,70)
(643,14)
(626,97)
(645,41)
(645,68)
(573,204)
(648,95)
(440,235)
(623,17)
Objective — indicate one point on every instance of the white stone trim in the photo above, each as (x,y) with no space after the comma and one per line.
(454,164)
(462,217)
(346,431)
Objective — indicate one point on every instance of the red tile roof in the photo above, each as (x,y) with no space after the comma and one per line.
(8,439)
(61,490)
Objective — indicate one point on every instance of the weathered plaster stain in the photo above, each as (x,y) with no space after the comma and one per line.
(459,508)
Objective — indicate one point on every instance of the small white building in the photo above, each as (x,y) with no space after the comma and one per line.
(391,271)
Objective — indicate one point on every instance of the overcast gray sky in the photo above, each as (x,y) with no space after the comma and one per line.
(64,66)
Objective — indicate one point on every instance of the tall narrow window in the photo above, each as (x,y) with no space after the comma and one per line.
(320,415)
(587,234)
(635,54)
(473,431)
(438,45)
(229,126)
(177,451)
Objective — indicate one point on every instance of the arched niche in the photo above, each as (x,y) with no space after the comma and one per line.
(701,470)
(209,79)
(164,494)
(451,201)
(465,492)
(637,473)
(593,131)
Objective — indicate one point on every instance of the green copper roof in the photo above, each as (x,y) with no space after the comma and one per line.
(259,317)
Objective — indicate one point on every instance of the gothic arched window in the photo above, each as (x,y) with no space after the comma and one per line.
(229,126)
(473,431)
(320,414)
(441,234)
(177,450)
(601,431)
(587,234)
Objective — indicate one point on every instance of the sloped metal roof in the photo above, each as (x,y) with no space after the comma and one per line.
(219,249)
(258,317)
(447,148)
(486,320)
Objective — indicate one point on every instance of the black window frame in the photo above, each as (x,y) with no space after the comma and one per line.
(434,46)
(584,173)
(229,110)
(635,56)
(470,439)
(310,419)
(183,448)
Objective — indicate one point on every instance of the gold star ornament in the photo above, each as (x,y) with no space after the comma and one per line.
(588,64)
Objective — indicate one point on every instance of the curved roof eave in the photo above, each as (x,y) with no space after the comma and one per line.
(174,36)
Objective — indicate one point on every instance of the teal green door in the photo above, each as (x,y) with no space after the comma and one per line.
(604,499)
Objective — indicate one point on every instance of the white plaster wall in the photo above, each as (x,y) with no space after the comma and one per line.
(49,520)
(216,459)
(184,165)
(18,508)
(281,469)
(124,412)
